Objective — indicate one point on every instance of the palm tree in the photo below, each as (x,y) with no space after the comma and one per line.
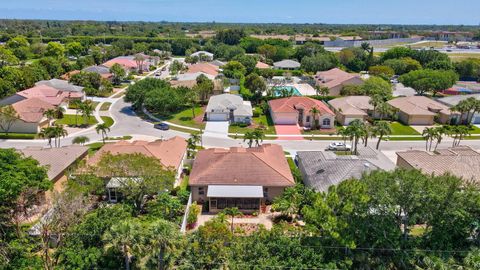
(80,140)
(375,101)
(384,110)
(139,59)
(126,236)
(163,236)
(86,109)
(380,129)
(439,132)
(232,212)
(47,133)
(314,111)
(59,131)
(59,111)
(343,133)
(50,114)
(322,90)
(462,132)
(76,103)
(103,129)
(429,134)
(250,137)
(258,136)
(367,133)
(355,131)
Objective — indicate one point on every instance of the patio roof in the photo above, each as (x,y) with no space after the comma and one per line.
(234,191)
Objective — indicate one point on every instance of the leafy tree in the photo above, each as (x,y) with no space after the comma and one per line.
(267,51)
(52,66)
(7,57)
(403,65)
(375,86)
(140,176)
(256,85)
(290,202)
(234,70)
(74,49)
(8,116)
(103,129)
(249,62)
(118,73)
(164,237)
(427,80)
(55,50)
(203,89)
(319,62)
(230,36)
(309,49)
(468,69)
(397,53)
(385,72)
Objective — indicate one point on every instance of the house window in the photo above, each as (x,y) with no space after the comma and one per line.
(201,191)
(326,122)
(308,119)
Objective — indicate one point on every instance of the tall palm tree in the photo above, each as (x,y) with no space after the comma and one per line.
(232,212)
(314,111)
(384,110)
(59,131)
(76,103)
(139,59)
(47,133)
(82,140)
(258,136)
(125,236)
(163,237)
(50,114)
(249,137)
(86,108)
(192,99)
(438,136)
(343,133)
(375,101)
(429,134)
(380,129)
(355,131)
(59,111)
(102,129)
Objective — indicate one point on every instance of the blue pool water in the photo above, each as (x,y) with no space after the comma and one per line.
(279,89)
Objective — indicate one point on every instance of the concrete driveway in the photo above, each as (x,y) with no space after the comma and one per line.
(288,130)
(216,129)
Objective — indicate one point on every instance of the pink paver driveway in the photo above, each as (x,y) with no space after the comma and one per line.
(288,130)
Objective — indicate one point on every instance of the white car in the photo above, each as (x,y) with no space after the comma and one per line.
(339,146)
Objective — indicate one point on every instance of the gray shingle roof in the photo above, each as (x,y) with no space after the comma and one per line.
(61,85)
(287,64)
(321,170)
(227,102)
(97,69)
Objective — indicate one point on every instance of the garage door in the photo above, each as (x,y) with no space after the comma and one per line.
(285,120)
(217,117)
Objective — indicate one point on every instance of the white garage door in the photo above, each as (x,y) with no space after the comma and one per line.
(217,117)
(285,120)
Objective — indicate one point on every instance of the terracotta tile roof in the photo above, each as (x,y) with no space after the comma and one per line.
(125,62)
(461,161)
(334,77)
(170,152)
(291,104)
(265,165)
(203,67)
(419,105)
(49,94)
(57,159)
(31,110)
(352,105)
(261,65)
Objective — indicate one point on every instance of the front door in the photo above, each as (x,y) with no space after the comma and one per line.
(300,117)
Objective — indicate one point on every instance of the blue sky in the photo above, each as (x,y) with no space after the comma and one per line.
(284,11)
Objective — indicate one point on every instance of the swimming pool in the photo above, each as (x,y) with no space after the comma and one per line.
(281,90)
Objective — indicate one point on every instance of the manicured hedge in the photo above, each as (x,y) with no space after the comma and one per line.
(18,136)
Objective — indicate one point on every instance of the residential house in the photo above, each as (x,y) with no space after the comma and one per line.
(452,101)
(30,118)
(461,161)
(206,68)
(130,64)
(103,71)
(348,109)
(287,65)
(57,160)
(322,169)
(171,153)
(228,107)
(335,79)
(297,110)
(204,56)
(261,65)
(46,93)
(420,110)
(246,178)
(74,91)
(218,63)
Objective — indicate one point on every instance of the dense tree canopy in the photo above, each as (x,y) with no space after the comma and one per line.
(427,80)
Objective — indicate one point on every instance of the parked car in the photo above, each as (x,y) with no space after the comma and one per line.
(339,146)
(161,126)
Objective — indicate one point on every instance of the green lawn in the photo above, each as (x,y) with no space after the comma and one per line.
(320,131)
(18,136)
(69,120)
(73,107)
(105,106)
(184,118)
(475,130)
(265,120)
(401,129)
(126,137)
(108,120)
